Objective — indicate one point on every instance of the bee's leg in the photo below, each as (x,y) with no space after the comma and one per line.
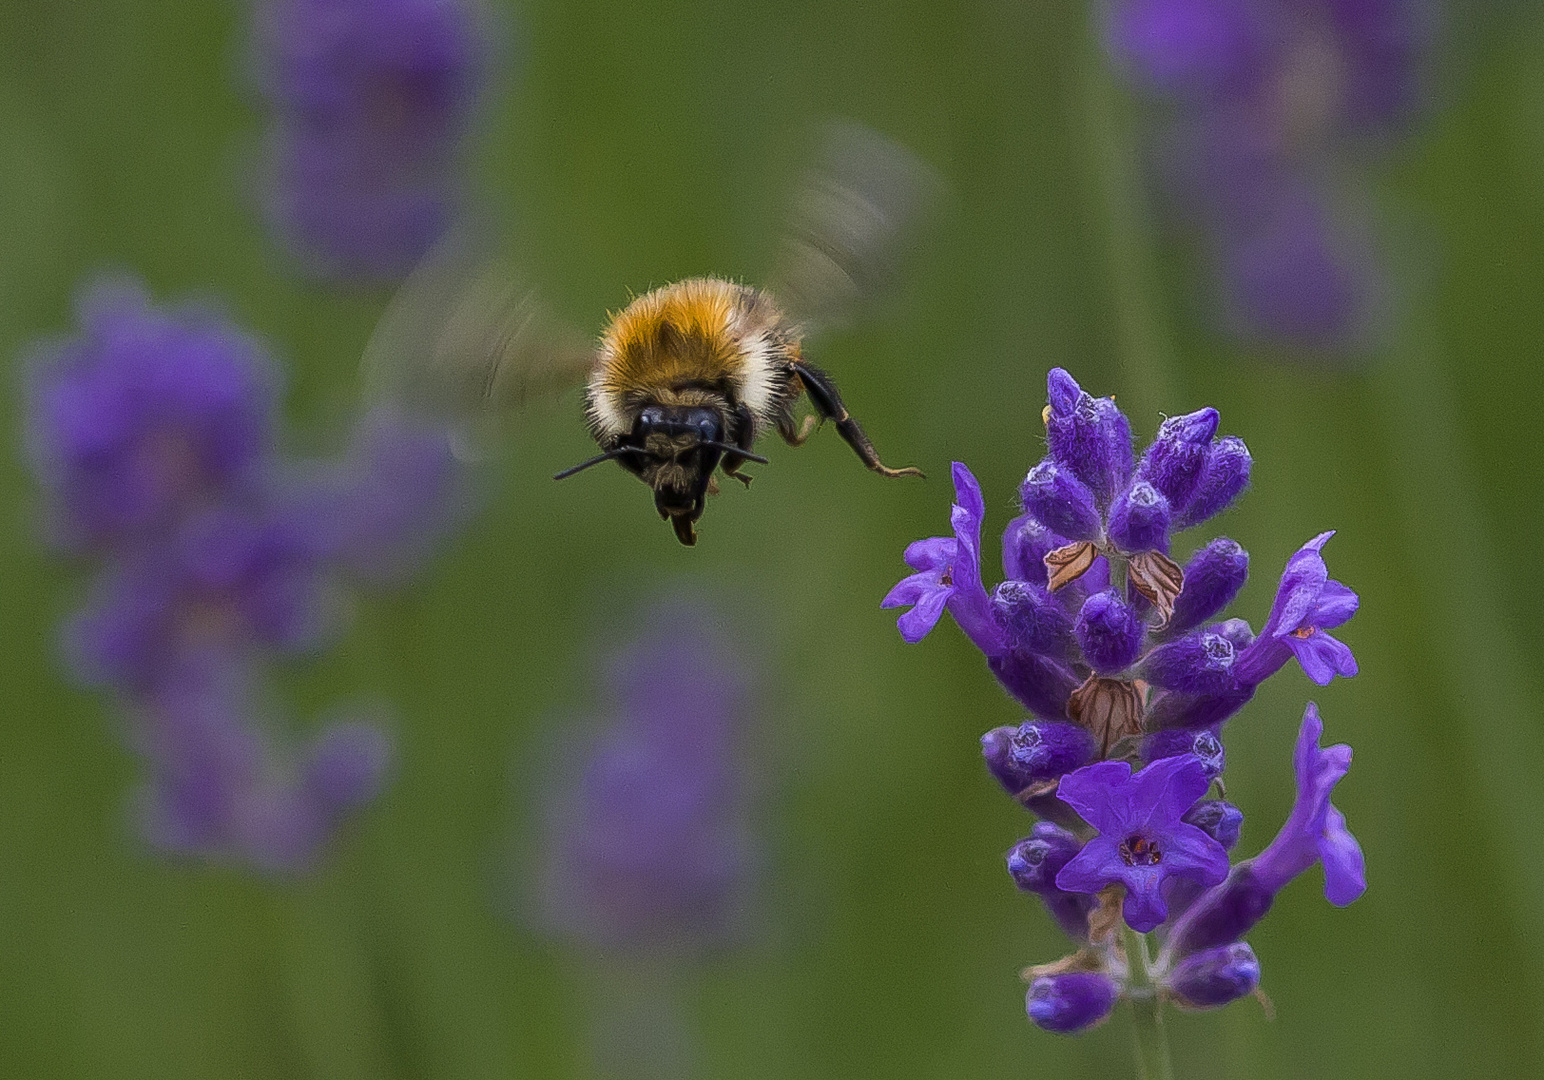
(796,436)
(732,469)
(745,438)
(828,405)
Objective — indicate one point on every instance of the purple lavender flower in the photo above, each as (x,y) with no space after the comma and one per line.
(1142,839)
(152,435)
(371,101)
(1209,979)
(218,787)
(646,844)
(1314,832)
(948,575)
(1307,604)
(1267,99)
(1114,650)
(144,415)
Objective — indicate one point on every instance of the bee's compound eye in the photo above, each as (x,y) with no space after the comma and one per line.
(652,417)
(707,428)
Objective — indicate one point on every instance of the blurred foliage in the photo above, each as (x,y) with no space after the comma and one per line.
(643,142)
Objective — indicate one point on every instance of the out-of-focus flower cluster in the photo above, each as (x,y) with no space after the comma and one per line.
(370,103)
(1270,104)
(153,433)
(1129,673)
(646,844)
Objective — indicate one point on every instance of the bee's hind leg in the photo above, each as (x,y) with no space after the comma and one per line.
(797,436)
(828,406)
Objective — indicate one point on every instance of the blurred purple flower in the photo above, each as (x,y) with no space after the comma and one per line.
(1269,100)
(646,844)
(152,436)
(145,415)
(370,103)
(218,785)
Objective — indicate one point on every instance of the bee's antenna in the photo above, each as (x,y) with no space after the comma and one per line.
(736,451)
(607,456)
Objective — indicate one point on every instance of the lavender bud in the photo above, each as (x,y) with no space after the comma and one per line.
(1225,913)
(1061,501)
(1213,577)
(1236,631)
(1025,544)
(1198,663)
(1217,818)
(1174,461)
(1035,861)
(1031,619)
(1109,632)
(1139,519)
(1071,1001)
(1204,745)
(1038,750)
(1039,683)
(1225,477)
(1215,977)
(1088,435)
(1174,709)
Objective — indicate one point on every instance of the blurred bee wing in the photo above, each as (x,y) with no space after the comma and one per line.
(467,341)
(853,214)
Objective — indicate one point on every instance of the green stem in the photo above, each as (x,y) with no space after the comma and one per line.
(1152,1041)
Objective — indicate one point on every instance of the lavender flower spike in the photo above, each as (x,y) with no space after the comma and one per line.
(1307,604)
(949,576)
(1142,840)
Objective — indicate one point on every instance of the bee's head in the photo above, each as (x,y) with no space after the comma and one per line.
(680,446)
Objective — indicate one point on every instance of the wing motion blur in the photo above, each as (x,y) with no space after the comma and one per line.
(854,213)
(468,340)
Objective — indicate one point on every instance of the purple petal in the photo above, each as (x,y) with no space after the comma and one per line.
(930,554)
(1144,908)
(1345,871)
(1322,656)
(1336,604)
(1168,788)
(1191,853)
(967,493)
(1301,583)
(1099,793)
(911,589)
(1091,869)
(916,623)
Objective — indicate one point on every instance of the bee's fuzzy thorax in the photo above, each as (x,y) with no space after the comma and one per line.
(697,335)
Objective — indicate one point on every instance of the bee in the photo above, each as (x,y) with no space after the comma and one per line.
(687,377)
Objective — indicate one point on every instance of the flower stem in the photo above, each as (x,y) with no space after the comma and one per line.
(1152,1041)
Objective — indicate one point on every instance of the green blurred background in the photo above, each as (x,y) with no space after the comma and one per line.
(644,142)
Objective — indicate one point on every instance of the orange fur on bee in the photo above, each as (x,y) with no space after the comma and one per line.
(701,334)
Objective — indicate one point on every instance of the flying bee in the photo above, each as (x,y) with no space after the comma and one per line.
(687,377)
